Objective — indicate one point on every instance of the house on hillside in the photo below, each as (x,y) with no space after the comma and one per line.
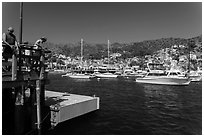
(193,56)
(183,58)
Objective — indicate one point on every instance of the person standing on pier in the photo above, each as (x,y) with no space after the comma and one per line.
(9,43)
(38,46)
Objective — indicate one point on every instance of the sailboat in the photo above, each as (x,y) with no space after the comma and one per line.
(80,75)
(107,74)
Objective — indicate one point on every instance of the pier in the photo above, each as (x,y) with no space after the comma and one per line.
(26,105)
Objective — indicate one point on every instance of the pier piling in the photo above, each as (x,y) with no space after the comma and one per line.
(38,90)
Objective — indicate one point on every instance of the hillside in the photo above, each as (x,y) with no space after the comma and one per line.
(98,51)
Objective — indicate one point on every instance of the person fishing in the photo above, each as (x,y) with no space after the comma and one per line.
(9,44)
(38,46)
(39,42)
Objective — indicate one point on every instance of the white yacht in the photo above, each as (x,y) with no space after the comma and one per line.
(164,78)
(195,76)
(128,73)
(67,74)
(106,75)
(81,76)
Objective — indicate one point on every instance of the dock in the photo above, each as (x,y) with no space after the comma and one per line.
(65,106)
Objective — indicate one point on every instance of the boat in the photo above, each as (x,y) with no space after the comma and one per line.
(141,73)
(67,74)
(129,73)
(164,78)
(57,71)
(81,76)
(195,76)
(106,75)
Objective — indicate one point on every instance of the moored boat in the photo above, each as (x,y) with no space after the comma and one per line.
(106,75)
(129,74)
(163,78)
(67,74)
(81,76)
(195,76)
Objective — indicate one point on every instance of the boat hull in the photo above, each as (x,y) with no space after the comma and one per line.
(81,76)
(133,77)
(106,76)
(164,80)
(67,75)
(195,78)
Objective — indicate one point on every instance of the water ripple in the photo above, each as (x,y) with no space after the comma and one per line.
(129,108)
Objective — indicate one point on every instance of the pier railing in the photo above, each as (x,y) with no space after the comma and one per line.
(26,63)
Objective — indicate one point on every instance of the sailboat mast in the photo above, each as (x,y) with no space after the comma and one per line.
(108,52)
(81,50)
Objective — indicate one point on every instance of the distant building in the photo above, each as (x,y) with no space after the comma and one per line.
(193,56)
(61,56)
(182,58)
(115,55)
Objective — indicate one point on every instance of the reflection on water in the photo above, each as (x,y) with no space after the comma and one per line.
(80,80)
(166,108)
(161,95)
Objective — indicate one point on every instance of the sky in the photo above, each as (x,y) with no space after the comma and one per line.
(96,22)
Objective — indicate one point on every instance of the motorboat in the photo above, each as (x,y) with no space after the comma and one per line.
(129,74)
(106,75)
(81,76)
(195,76)
(67,74)
(164,78)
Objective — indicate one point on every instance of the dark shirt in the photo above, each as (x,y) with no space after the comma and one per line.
(7,50)
(10,38)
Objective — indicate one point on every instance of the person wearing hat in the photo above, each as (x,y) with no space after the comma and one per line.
(39,42)
(38,45)
(9,43)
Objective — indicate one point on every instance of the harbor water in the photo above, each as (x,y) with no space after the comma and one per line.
(130,108)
